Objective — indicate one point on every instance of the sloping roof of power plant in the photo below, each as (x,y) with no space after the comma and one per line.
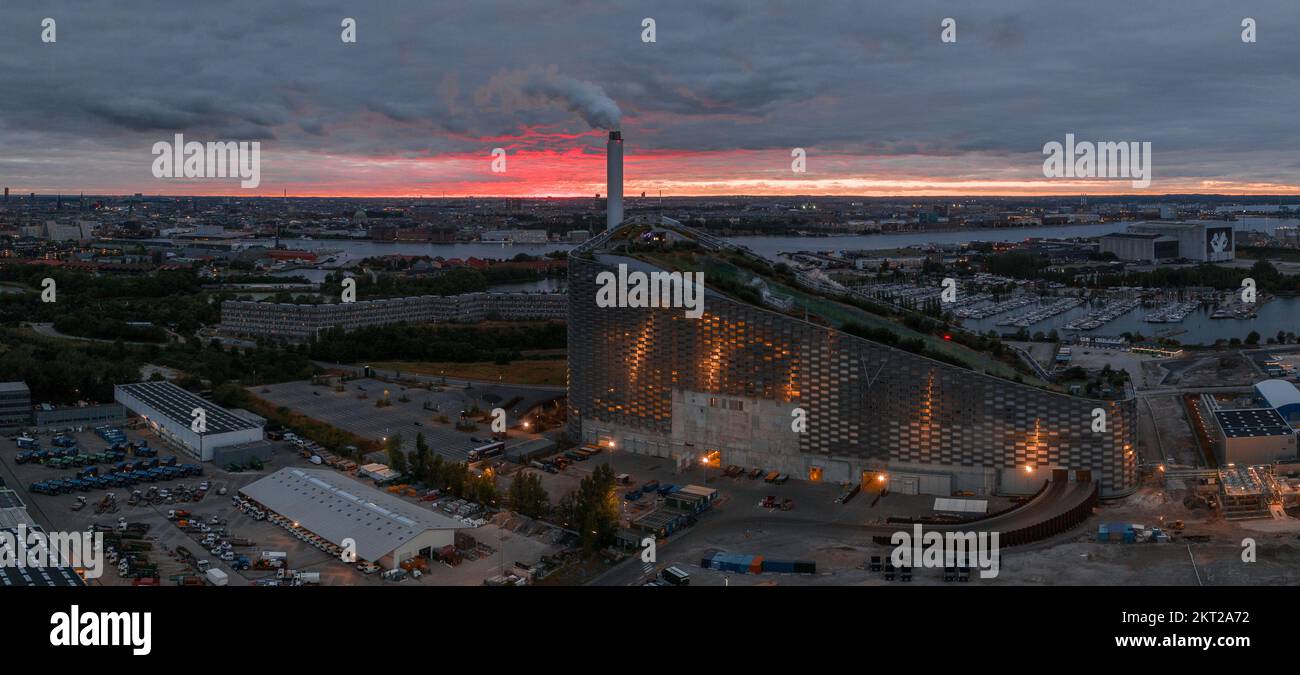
(178,405)
(1278,393)
(336,508)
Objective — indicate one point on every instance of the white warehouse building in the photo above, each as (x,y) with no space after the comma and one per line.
(170,411)
(386,530)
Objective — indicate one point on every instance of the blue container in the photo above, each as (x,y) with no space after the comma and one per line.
(778,566)
(739,563)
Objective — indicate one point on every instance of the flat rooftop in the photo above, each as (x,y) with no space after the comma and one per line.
(1250,422)
(19,386)
(36,576)
(335,507)
(178,404)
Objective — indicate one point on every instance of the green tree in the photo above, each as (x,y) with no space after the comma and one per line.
(527,496)
(593,509)
(396,456)
(419,465)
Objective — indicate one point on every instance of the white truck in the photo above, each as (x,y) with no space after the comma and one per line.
(217,577)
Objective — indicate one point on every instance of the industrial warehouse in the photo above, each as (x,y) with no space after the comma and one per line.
(386,530)
(1250,436)
(1154,241)
(172,411)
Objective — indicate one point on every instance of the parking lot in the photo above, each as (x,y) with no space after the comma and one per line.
(354,409)
(54,512)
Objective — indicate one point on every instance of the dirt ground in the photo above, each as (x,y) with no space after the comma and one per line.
(1220,369)
(1072,558)
(1166,434)
(828,534)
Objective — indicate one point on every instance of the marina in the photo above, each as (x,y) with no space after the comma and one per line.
(986,311)
(1174,313)
(1109,312)
(1026,319)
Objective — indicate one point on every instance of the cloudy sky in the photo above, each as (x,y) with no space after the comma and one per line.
(714,106)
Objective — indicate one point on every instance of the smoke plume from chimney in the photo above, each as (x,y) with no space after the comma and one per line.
(585,98)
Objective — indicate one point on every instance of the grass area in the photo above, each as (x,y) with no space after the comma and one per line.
(1268,253)
(544,372)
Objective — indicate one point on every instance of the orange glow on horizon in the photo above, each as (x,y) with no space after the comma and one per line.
(543,164)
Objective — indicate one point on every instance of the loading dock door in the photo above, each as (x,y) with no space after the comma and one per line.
(920,484)
(836,472)
(904,484)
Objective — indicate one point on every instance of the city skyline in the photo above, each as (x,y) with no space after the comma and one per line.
(714,106)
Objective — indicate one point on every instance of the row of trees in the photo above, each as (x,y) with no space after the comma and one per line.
(1266,276)
(463,344)
(592,509)
(101,307)
(64,371)
(425,466)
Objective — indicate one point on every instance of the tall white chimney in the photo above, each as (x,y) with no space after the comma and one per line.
(614,180)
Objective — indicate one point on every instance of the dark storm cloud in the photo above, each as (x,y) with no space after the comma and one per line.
(833,76)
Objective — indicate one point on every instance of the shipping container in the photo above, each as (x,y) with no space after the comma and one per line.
(778,566)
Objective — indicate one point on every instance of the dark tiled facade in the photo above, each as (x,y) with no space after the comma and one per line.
(868,406)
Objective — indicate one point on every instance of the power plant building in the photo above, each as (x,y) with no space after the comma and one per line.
(651,380)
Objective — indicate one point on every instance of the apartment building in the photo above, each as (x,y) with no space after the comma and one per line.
(299,322)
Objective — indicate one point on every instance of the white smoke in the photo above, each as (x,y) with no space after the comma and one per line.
(522,89)
(585,98)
